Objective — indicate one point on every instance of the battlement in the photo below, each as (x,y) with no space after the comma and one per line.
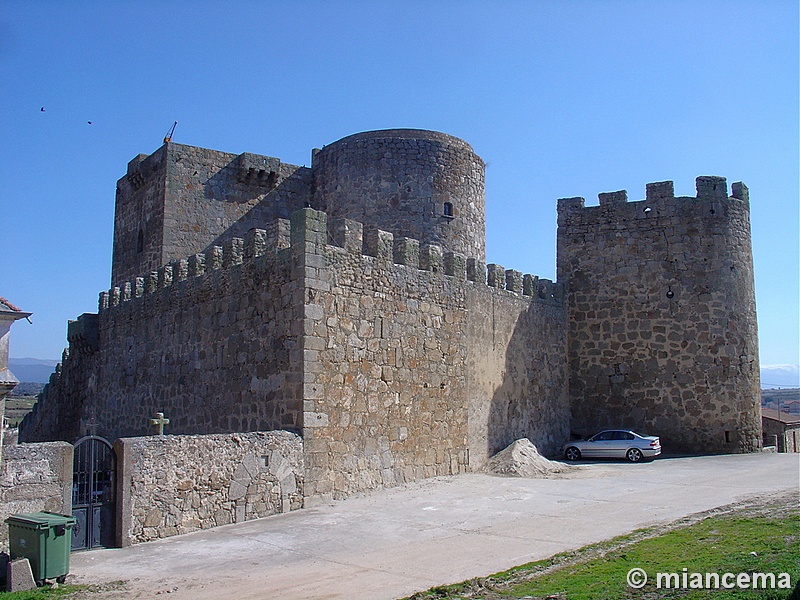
(708,188)
(308,231)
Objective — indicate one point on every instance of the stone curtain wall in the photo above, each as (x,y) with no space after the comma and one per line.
(169,485)
(34,477)
(662,321)
(208,341)
(516,368)
(399,180)
(393,357)
(186,199)
(63,408)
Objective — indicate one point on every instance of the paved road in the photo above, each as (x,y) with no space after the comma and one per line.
(395,542)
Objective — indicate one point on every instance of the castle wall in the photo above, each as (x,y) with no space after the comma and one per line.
(405,369)
(385,395)
(210,341)
(400,180)
(516,368)
(662,322)
(63,408)
(185,199)
(169,485)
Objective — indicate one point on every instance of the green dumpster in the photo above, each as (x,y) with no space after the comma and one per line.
(44,538)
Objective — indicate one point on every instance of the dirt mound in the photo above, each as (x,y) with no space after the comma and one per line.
(522,459)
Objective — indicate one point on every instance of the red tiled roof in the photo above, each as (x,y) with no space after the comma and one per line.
(8,304)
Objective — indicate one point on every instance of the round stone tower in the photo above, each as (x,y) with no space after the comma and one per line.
(419,184)
(662,334)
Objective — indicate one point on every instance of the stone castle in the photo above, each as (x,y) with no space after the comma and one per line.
(351,302)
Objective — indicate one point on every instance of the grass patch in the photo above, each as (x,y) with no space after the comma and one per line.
(43,593)
(66,591)
(745,541)
(17,407)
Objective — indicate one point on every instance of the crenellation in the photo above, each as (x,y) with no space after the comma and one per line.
(663,286)
(135,163)
(151,282)
(348,234)
(126,291)
(513,281)
(659,190)
(406,252)
(232,252)
(455,264)
(620,197)
(103,301)
(378,244)
(476,271)
(255,243)
(711,187)
(197,265)
(530,285)
(431,258)
(214,258)
(740,192)
(164,276)
(180,269)
(309,229)
(495,276)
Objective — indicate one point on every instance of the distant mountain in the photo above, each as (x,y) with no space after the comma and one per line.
(34,370)
(780,376)
(38,370)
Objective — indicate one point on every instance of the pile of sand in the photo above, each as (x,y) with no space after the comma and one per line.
(522,459)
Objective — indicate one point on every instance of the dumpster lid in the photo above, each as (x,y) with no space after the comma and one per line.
(41,519)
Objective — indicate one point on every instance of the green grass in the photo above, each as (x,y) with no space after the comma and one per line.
(65,591)
(723,544)
(17,407)
(42,593)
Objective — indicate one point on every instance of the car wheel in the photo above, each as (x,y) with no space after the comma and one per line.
(634,455)
(572,453)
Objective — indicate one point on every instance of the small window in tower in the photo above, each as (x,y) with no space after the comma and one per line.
(448,209)
(140,242)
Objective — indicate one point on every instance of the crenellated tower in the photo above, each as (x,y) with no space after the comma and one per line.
(413,183)
(662,320)
(182,200)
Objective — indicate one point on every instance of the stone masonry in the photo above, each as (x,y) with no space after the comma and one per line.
(375,329)
(662,320)
(177,484)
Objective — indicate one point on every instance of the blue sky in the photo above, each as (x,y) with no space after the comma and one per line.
(559,98)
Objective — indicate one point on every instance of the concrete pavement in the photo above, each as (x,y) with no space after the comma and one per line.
(398,541)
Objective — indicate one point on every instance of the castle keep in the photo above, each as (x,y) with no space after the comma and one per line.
(351,302)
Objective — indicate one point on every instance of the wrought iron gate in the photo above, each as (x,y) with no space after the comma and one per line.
(93,480)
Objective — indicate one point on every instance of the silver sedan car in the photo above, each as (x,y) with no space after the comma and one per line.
(615,443)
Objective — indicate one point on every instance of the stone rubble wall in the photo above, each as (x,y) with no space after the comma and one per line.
(169,485)
(787,438)
(662,322)
(34,477)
